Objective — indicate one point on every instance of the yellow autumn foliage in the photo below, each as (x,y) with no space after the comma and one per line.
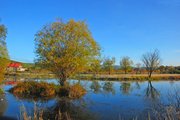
(3,64)
(3,51)
(66,48)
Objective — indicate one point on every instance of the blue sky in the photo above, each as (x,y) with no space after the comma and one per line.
(121,27)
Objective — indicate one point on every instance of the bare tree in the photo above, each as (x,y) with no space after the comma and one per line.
(152,92)
(151,61)
(138,68)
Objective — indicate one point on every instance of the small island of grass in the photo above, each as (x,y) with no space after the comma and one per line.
(44,90)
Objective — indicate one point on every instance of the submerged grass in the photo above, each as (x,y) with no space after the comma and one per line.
(39,114)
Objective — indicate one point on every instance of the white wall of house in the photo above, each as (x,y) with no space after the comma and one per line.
(21,69)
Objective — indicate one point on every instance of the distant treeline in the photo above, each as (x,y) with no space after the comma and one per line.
(142,70)
(116,69)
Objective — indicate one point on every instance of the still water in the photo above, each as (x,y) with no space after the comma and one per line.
(104,100)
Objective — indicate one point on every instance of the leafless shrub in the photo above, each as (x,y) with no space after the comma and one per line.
(169,111)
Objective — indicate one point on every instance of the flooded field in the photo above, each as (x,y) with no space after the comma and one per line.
(104,100)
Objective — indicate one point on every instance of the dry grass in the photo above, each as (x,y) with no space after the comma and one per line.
(74,91)
(115,77)
(137,75)
(39,115)
(34,89)
(170,110)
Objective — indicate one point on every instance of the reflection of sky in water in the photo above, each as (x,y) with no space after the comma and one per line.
(110,100)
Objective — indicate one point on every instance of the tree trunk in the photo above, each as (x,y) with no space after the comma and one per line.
(62,81)
(150,83)
(150,73)
(94,75)
(125,71)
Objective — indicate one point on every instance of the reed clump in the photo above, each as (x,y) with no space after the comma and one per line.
(34,89)
(72,91)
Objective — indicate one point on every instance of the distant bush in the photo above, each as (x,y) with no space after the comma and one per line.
(34,89)
(74,91)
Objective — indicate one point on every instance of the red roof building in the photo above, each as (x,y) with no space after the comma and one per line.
(15,65)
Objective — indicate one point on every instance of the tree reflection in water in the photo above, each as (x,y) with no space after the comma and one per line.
(151,92)
(95,86)
(3,107)
(66,109)
(125,88)
(3,104)
(108,87)
(138,85)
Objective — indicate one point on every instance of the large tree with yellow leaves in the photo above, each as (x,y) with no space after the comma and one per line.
(4,58)
(66,48)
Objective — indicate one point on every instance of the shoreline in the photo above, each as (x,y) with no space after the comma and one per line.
(113,77)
